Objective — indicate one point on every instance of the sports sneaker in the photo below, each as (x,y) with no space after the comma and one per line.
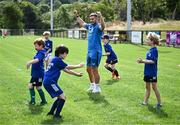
(32,103)
(91,87)
(43,103)
(144,104)
(50,113)
(113,75)
(158,105)
(96,89)
(117,78)
(57,117)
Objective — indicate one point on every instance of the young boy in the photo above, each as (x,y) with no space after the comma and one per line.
(51,79)
(150,69)
(37,72)
(111,58)
(48,47)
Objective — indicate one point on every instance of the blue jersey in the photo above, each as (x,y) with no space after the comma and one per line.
(151,69)
(48,45)
(54,70)
(37,69)
(94,37)
(112,56)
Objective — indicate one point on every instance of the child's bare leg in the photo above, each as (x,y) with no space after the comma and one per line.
(156,91)
(147,93)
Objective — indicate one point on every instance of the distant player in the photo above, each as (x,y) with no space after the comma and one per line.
(150,69)
(111,58)
(51,79)
(37,72)
(94,53)
(48,47)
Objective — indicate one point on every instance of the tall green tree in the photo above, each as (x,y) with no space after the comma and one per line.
(12,16)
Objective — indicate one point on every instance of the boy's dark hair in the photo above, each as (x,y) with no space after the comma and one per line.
(61,50)
(40,42)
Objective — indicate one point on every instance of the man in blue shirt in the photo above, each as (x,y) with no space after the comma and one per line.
(37,71)
(52,75)
(111,58)
(94,53)
(48,47)
(150,69)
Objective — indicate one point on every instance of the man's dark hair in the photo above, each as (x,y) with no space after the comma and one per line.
(61,50)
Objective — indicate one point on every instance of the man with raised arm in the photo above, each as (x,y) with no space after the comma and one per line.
(95,30)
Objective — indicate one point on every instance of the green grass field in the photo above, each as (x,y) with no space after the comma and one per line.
(119,102)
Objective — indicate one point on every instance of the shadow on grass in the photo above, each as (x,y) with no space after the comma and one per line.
(111,81)
(52,121)
(98,98)
(158,111)
(35,109)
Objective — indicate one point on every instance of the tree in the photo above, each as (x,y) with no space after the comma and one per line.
(31,19)
(12,16)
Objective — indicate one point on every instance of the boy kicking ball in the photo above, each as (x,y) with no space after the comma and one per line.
(150,69)
(51,79)
(111,58)
(37,72)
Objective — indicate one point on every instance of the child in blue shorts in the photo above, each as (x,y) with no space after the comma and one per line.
(51,79)
(150,69)
(111,58)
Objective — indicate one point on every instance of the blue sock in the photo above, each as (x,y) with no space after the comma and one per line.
(54,106)
(59,106)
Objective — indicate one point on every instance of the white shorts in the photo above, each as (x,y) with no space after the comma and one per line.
(48,56)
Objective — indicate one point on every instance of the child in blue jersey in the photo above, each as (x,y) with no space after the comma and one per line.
(150,69)
(48,47)
(37,71)
(51,79)
(111,58)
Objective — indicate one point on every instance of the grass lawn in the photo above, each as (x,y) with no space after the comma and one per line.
(119,101)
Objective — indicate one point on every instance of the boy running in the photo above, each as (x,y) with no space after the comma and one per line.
(111,58)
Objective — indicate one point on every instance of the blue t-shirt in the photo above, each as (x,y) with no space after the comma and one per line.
(54,70)
(48,45)
(151,69)
(108,48)
(94,37)
(37,69)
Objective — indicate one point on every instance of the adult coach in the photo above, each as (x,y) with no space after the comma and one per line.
(95,30)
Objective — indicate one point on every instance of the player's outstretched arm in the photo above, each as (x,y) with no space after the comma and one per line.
(101,19)
(72,72)
(145,61)
(29,63)
(79,20)
(75,66)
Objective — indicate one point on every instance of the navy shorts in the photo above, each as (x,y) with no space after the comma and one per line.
(150,79)
(111,61)
(36,81)
(53,89)
(93,59)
